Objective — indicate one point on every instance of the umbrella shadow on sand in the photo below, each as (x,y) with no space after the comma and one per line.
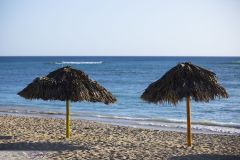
(5,137)
(41,146)
(206,157)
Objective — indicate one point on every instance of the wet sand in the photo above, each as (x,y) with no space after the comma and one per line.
(44,138)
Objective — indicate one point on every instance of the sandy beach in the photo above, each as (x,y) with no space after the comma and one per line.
(44,138)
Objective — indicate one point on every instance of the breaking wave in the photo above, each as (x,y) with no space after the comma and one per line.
(79,62)
(199,126)
(155,123)
(207,123)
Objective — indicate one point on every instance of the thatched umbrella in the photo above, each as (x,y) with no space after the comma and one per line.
(67,84)
(184,81)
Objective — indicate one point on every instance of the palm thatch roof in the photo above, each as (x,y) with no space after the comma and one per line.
(184,80)
(67,83)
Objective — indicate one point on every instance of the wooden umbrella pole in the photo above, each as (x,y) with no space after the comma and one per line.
(67,119)
(189,134)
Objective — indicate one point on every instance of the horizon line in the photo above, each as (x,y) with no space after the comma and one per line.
(111,56)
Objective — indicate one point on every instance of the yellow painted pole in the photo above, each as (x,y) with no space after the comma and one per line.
(189,134)
(67,119)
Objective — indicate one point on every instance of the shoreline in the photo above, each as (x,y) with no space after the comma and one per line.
(161,126)
(44,138)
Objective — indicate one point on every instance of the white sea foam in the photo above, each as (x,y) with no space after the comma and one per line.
(171,124)
(211,123)
(198,126)
(218,129)
(79,62)
(120,117)
(195,127)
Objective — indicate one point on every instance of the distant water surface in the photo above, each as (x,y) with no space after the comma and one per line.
(126,78)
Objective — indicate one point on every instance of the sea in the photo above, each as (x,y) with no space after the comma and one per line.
(126,78)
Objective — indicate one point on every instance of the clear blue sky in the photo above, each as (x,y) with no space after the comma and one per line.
(120,27)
